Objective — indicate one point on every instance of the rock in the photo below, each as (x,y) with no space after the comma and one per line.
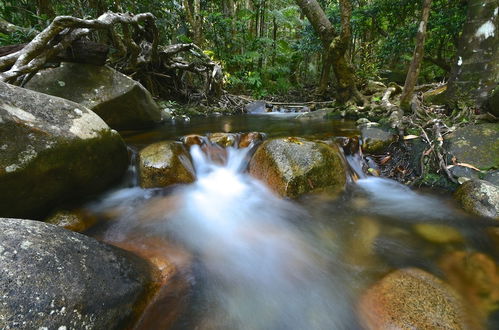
(293,166)
(52,150)
(435,95)
(376,140)
(477,145)
(122,102)
(223,139)
(440,234)
(52,278)
(476,277)
(72,220)
(373,87)
(479,197)
(256,107)
(190,140)
(164,163)
(246,139)
(464,172)
(411,298)
(492,177)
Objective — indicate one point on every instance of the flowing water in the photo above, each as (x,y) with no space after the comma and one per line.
(253,260)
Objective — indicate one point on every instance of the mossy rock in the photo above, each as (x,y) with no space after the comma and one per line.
(53,150)
(122,102)
(479,197)
(165,163)
(376,140)
(477,145)
(412,299)
(294,166)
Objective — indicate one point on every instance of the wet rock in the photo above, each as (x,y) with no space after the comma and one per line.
(440,234)
(52,150)
(492,177)
(122,102)
(376,140)
(294,166)
(479,197)
(476,145)
(476,277)
(223,139)
(163,164)
(190,140)
(72,220)
(52,278)
(412,299)
(464,172)
(247,139)
(256,107)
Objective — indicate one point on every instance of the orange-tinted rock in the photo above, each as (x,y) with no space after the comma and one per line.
(412,299)
(165,163)
(223,139)
(294,166)
(190,140)
(248,138)
(476,277)
(72,220)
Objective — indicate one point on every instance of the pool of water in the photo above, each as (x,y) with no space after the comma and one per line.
(249,259)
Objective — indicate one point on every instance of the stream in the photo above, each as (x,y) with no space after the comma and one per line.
(248,259)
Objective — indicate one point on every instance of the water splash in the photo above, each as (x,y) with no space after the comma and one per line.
(261,271)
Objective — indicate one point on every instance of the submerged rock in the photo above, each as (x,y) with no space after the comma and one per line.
(164,163)
(52,278)
(476,276)
(376,140)
(412,299)
(437,233)
(479,197)
(477,145)
(122,102)
(294,166)
(52,150)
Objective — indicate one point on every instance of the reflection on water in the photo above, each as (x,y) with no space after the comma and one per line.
(260,262)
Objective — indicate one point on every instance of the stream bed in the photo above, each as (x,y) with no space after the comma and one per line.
(245,258)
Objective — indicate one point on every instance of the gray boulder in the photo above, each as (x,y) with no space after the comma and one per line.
(52,150)
(122,102)
(52,278)
(479,197)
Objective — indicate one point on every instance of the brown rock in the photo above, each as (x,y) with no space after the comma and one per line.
(72,220)
(163,164)
(476,277)
(412,299)
(248,138)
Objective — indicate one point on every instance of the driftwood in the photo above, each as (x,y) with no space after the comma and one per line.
(80,51)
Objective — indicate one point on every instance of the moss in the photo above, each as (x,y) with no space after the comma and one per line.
(69,170)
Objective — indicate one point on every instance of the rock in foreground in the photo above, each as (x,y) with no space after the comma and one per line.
(122,102)
(51,278)
(412,299)
(294,166)
(52,150)
(163,164)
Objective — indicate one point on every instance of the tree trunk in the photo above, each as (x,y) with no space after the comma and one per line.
(475,73)
(193,14)
(44,7)
(336,45)
(417,58)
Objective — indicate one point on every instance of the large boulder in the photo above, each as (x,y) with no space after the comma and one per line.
(479,197)
(412,299)
(376,140)
(293,166)
(477,145)
(165,163)
(52,150)
(122,102)
(52,278)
